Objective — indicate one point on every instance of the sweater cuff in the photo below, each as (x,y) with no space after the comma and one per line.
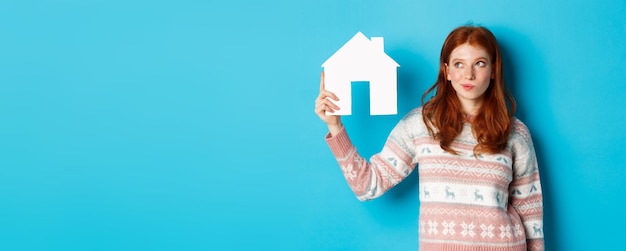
(340,144)
(535,244)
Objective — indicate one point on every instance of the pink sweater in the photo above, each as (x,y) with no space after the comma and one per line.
(488,202)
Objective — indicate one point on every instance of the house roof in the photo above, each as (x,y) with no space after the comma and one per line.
(360,49)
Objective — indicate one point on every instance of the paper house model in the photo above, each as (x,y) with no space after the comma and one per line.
(359,60)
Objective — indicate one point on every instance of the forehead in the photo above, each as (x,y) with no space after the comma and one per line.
(467,51)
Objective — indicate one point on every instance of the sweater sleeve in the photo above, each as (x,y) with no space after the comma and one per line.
(371,179)
(525,189)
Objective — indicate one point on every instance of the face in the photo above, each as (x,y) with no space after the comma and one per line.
(470,70)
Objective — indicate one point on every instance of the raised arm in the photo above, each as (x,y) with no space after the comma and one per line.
(368,180)
(371,179)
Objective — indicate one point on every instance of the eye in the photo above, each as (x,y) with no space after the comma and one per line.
(458,65)
(481,63)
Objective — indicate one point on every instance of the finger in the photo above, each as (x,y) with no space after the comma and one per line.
(320,100)
(322,84)
(326,109)
(330,95)
(325,106)
(323,89)
(320,106)
(331,105)
(325,95)
(322,113)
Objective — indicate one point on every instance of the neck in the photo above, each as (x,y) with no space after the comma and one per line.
(471,107)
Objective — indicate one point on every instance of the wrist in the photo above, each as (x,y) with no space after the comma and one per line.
(334,129)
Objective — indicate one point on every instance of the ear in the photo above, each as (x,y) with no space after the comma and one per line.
(447,71)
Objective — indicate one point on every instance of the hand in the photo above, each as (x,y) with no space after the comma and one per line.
(323,104)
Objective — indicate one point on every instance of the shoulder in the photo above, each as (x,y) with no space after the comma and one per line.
(413,117)
(415,113)
(412,121)
(519,129)
(520,138)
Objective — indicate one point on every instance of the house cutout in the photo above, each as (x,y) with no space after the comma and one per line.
(363,60)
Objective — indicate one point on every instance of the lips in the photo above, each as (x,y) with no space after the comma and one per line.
(467,87)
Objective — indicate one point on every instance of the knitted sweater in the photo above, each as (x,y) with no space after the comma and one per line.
(467,202)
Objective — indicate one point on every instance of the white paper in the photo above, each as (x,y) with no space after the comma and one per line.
(359,60)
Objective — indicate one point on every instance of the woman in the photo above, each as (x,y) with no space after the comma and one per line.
(478,175)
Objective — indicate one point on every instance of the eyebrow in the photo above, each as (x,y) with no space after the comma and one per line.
(476,59)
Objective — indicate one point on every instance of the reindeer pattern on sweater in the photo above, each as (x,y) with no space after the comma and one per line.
(467,202)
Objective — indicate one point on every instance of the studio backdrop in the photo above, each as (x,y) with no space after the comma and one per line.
(189,125)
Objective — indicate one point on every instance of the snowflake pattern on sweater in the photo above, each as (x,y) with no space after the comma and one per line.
(467,202)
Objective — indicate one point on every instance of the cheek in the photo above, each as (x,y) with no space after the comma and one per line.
(487,75)
(490,73)
(453,76)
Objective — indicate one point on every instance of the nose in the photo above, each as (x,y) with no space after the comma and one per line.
(469,73)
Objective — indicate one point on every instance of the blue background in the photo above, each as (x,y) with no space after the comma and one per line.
(189,125)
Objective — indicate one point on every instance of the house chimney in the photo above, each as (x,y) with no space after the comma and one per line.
(379,44)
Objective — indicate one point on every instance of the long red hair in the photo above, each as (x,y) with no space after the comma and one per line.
(443,115)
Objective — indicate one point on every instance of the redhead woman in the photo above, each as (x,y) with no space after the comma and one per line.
(478,175)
